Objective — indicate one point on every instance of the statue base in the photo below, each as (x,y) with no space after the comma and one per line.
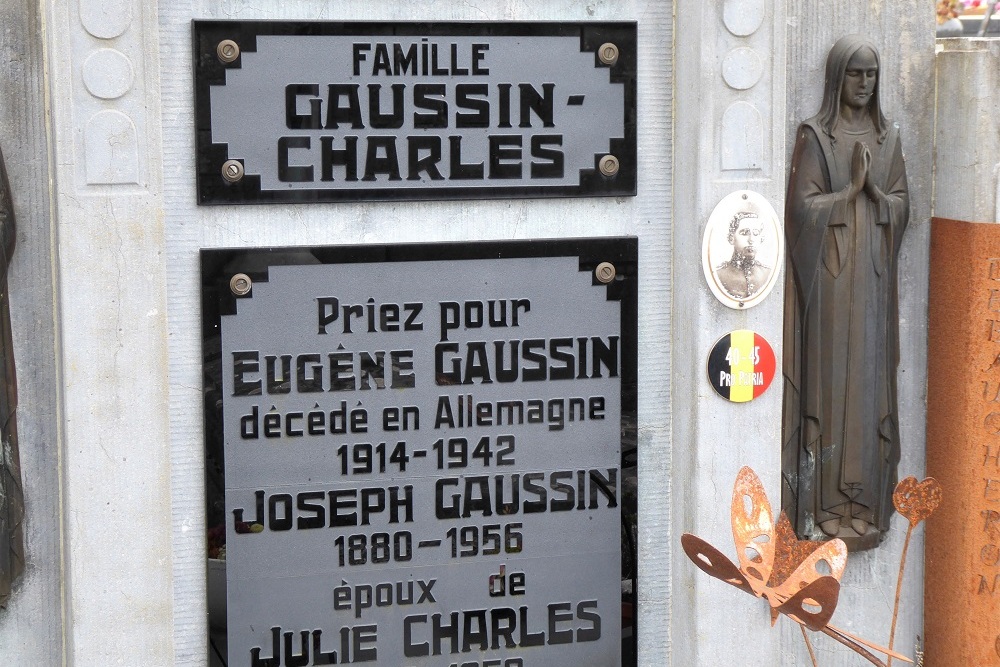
(854,541)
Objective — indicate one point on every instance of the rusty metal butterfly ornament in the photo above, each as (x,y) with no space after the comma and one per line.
(800,579)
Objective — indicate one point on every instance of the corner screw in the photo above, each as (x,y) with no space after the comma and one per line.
(227,50)
(605,272)
(240,284)
(608,53)
(232,171)
(609,165)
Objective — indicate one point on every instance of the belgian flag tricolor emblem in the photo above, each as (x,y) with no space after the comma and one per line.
(741,366)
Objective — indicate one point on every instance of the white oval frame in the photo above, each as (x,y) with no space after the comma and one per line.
(716,249)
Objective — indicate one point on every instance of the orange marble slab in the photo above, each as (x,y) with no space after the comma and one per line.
(962,553)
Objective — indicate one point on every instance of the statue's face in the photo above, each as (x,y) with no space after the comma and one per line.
(859,79)
(748,236)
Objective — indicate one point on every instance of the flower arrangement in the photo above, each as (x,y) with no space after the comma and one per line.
(949,9)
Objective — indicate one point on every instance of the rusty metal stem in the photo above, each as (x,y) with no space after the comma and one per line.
(899,589)
(854,647)
(808,645)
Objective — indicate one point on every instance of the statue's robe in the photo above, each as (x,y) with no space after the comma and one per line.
(11,496)
(841,333)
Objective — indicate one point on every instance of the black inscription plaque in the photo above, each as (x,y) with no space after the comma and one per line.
(423,454)
(326,111)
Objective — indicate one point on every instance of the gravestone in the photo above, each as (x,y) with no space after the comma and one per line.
(104,174)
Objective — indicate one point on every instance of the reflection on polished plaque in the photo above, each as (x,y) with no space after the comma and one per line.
(420,451)
(324,111)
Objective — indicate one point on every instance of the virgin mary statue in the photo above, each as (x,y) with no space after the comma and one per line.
(11,498)
(846,211)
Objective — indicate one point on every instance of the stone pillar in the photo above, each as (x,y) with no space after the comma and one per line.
(788,44)
(730,135)
(967,141)
(102,62)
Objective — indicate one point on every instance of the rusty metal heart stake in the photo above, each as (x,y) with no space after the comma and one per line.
(917,500)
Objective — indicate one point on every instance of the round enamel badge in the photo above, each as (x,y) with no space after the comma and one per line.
(741,366)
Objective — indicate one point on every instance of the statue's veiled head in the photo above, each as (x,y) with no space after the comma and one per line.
(837,62)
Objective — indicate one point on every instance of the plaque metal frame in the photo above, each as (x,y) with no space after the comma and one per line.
(616,177)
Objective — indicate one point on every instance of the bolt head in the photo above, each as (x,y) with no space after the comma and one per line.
(227,51)
(240,284)
(608,53)
(232,171)
(609,165)
(605,272)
